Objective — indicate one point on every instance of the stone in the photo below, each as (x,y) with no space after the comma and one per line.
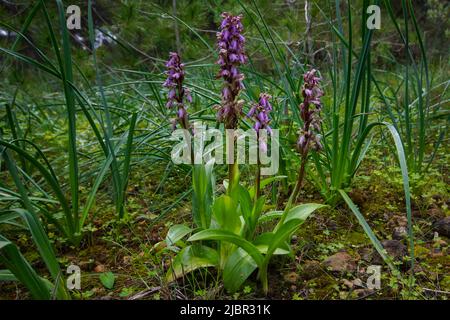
(442,227)
(340,262)
(353,283)
(358,283)
(291,277)
(347,283)
(394,248)
(294,239)
(399,233)
(362,293)
(99,268)
(366,254)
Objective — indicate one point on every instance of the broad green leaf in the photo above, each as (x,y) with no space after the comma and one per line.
(107,279)
(3,244)
(263,241)
(282,235)
(264,183)
(176,233)
(245,202)
(303,211)
(224,235)
(226,213)
(192,258)
(202,196)
(270,216)
(6,275)
(256,212)
(238,268)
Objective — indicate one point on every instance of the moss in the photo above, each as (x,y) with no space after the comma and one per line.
(421,252)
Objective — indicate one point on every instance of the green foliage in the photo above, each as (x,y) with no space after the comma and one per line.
(202,194)
(107,279)
(18,268)
(236,251)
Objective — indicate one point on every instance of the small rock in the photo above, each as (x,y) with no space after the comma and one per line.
(126,259)
(397,221)
(366,254)
(294,239)
(99,268)
(443,227)
(353,283)
(340,262)
(394,248)
(347,283)
(291,277)
(361,293)
(358,283)
(399,233)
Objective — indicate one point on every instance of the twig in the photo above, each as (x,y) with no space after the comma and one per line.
(436,291)
(145,293)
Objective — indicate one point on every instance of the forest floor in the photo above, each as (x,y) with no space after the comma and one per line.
(332,256)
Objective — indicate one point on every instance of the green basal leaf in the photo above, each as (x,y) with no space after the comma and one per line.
(263,241)
(202,196)
(225,210)
(191,258)
(239,266)
(245,202)
(264,183)
(303,211)
(107,279)
(6,275)
(225,235)
(176,233)
(270,216)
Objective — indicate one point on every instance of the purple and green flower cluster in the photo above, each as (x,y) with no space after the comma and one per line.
(310,113)
(260,114)
(230,42)
(178,94)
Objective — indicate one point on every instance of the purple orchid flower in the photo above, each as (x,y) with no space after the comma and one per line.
(310,113)
(230,43)
(178,94)
(260,114)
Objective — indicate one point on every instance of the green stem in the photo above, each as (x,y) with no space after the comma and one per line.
(263,278)
(258,174)
(295,192)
